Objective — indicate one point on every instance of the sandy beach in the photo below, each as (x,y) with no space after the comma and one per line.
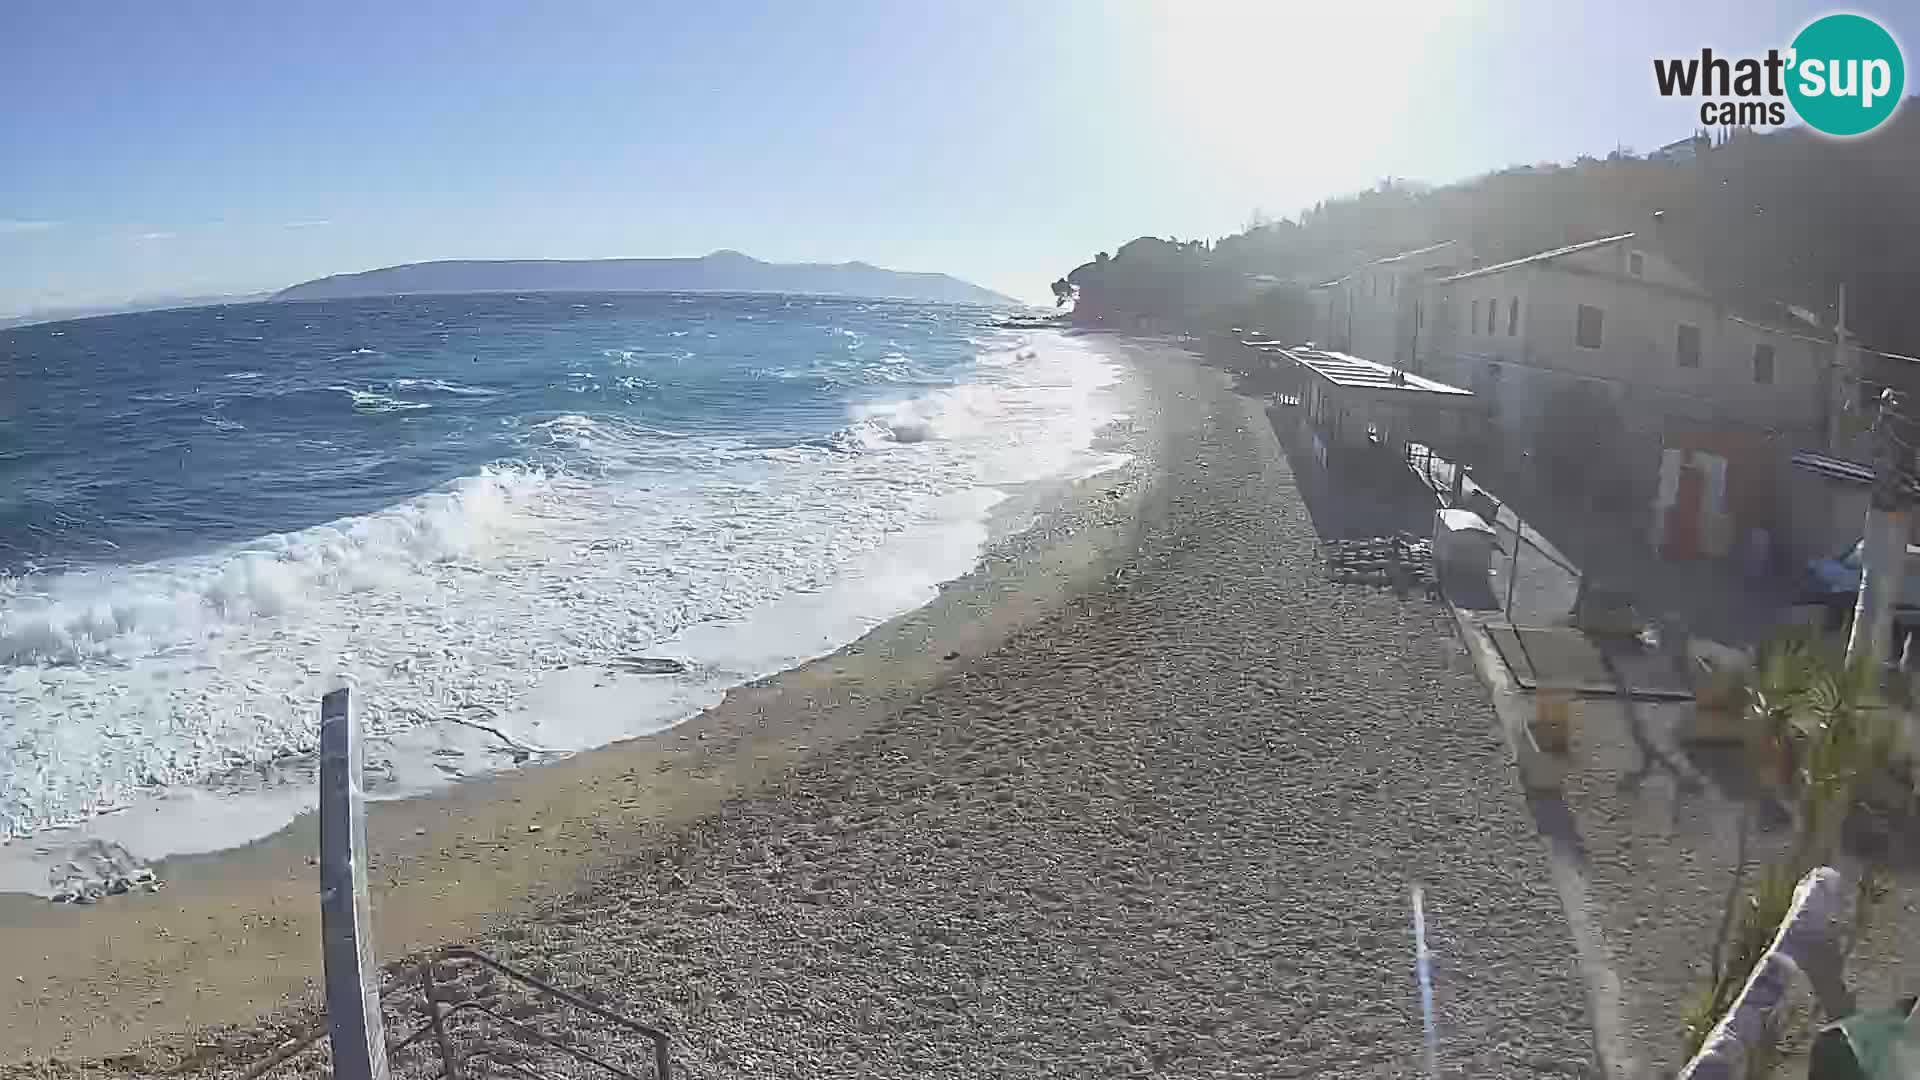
(1142,795)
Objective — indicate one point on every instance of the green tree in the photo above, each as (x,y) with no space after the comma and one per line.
(1763,217)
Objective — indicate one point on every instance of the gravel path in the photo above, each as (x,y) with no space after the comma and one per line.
(1171,831)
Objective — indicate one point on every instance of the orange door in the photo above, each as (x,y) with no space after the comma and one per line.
(1683,517)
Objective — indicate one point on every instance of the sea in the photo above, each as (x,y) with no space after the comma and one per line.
(467,509)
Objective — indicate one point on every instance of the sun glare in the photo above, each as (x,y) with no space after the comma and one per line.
(1257,88)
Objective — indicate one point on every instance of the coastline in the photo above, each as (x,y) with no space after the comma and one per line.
(1146,794)
(234,933)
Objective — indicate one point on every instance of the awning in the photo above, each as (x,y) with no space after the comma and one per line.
(1847,472)
(1834,468)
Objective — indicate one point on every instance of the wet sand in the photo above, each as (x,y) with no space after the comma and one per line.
(1144,795)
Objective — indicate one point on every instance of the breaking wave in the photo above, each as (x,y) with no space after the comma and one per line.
(601,535)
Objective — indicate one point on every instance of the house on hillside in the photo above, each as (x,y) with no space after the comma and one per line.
(1331,314)
(1682,151)
(1608,371)
(1379,311)
(1323,299)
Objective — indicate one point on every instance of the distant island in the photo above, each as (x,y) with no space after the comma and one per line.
(125,307)
(722,271)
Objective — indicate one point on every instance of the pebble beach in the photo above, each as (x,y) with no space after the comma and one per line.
(1144,795)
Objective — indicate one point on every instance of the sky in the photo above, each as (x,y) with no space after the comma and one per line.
(199,148)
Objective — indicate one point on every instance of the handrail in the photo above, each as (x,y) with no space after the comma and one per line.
(661,1043)
(352,1017)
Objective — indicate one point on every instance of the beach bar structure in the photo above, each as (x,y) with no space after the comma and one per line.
(1350,406)
(1267,369)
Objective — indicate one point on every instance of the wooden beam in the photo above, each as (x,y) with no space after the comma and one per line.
(1803,948)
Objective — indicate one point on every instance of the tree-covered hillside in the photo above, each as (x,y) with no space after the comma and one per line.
(1784,216)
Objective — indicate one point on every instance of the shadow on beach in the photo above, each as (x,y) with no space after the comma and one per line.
(1357,494)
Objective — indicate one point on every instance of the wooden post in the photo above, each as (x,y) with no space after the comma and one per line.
(346,924)
(1802,948)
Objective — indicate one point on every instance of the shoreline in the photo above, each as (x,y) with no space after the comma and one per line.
(1146,794)
(234,933)
(573,703)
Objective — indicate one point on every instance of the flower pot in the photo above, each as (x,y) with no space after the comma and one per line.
(1772,759)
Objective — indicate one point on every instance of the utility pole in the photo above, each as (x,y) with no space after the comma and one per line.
(1413,349)
(1843,381)
(1883,556)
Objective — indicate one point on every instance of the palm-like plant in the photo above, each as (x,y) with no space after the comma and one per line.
(1779,678)
(1822,714)
(1822,717)
(1845,739)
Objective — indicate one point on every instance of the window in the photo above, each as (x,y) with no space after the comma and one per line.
(1393,286)
(1493,312)
(1686,347)
(1473,324)
(1763,364)
(1513,316)
(1586,328)
(1637,264)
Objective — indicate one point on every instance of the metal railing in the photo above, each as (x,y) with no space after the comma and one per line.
(460,1047)
(448,1038)
(353,1024)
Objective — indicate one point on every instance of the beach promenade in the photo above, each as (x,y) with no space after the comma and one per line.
(1146,796)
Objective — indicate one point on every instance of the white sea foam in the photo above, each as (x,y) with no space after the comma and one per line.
(115,683)
(443,386)
(123,615)
(373,401)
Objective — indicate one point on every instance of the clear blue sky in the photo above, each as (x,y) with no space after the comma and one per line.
(188,147)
